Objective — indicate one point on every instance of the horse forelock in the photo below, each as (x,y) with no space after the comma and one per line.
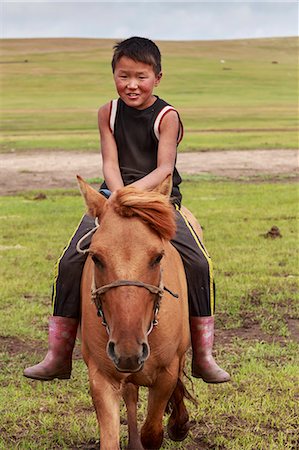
(152,207)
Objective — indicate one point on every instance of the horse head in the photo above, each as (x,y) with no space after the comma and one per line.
(126,251)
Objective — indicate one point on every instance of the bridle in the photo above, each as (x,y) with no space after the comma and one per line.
(158,291)
(98,292)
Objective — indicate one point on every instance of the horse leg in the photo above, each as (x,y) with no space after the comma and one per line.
(130,396)
(106,400)
(178,423)
(159,394)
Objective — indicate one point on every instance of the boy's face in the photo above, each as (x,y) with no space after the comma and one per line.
(135,82)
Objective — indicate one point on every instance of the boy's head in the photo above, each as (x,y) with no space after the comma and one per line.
(140,50)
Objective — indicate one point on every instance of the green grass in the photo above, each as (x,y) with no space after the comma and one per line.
(257,306)
(51,101)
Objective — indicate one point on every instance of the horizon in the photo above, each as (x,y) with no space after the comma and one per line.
(160,40)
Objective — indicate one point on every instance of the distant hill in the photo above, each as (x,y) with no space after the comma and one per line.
(230,94)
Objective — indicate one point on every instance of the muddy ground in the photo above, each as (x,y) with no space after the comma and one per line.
(43,170)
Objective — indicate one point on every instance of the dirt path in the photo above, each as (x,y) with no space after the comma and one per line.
(25,171)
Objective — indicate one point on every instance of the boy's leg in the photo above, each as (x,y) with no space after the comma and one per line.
(68,272)
(66,309)
(201,297)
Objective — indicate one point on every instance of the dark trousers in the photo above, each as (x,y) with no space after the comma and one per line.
(197,264)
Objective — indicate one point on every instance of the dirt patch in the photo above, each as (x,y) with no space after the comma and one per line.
(26,171)
(14,345)
(251,331)
(91,445)
(293,326)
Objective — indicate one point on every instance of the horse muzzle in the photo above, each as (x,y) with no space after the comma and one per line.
(129,363)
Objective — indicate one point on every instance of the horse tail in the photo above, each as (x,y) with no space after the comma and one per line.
(180,393)
(178,423)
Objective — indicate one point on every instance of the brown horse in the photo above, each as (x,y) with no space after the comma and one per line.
(137,281)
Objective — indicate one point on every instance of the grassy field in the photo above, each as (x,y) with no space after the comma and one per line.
(256,338)
(231,94)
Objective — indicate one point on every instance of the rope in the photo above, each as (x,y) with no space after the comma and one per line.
(78,246)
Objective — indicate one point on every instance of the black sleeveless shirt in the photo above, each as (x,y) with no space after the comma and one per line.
(136,133)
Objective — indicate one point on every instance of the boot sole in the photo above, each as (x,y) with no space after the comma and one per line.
(59,377)
(206,380)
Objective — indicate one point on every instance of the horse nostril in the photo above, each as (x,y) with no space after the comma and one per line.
(145,352)
(111,351)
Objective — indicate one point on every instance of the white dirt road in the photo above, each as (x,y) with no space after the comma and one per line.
(26,171)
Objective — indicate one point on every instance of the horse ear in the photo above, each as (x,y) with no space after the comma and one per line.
(165,187)
(95,202)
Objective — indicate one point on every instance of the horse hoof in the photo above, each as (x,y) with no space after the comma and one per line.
(135,447)
(178,434)
(151,441)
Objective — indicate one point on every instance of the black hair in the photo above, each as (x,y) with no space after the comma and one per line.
(139,49)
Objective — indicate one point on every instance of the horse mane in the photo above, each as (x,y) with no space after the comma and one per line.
(152,207)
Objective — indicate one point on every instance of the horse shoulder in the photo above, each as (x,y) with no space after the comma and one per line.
(174,316)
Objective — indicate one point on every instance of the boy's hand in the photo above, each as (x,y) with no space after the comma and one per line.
(105,192)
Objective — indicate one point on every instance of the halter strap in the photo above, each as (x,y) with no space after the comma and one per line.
(156,290)
(153,289)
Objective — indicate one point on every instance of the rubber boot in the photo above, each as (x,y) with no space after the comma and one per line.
(58,360)
(203,363)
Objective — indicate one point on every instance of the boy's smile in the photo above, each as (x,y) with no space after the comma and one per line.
(135,82)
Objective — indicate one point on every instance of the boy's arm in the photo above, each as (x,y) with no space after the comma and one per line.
(111,169)
(167,149)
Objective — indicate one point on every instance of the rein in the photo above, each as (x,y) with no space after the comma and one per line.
(96,293)
(78,246)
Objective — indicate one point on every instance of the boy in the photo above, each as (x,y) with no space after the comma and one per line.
(139,136)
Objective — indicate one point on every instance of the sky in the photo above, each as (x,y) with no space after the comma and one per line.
(164,20)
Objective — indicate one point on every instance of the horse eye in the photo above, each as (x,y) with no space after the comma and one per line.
(157,260)
(97,262)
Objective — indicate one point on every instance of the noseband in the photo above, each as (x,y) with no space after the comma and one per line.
(158,291)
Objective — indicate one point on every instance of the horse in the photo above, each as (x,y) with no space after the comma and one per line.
(134,283)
